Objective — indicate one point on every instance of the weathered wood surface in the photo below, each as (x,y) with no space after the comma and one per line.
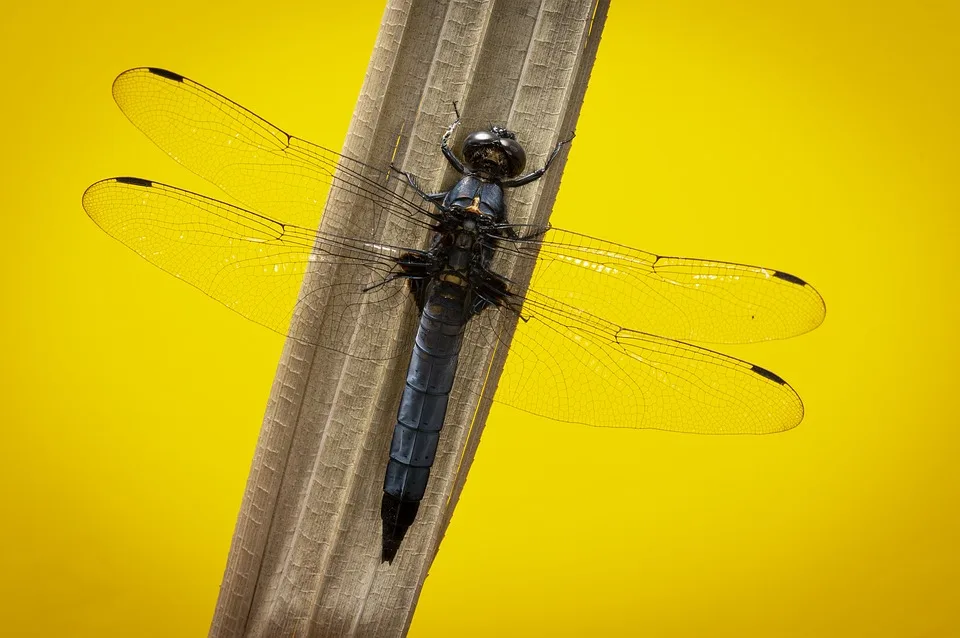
(305,559)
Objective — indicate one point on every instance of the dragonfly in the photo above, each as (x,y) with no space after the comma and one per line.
(602,334)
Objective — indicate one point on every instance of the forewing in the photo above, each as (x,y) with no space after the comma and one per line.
(254,161)
(568,365)
(675,297)
(251,263)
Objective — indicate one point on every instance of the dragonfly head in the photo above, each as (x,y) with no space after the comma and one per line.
(496,153)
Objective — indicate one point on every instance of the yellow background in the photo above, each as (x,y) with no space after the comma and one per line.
(819,138)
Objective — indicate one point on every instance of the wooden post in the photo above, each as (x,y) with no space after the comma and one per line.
(305,558)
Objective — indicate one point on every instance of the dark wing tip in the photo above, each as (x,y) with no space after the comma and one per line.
(793,279)
(135,181)
(788,277)
(763,372)
(170,75)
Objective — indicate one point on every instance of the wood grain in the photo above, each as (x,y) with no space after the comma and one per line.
(305,558)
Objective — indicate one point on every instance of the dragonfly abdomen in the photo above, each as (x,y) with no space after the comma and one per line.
(423,406)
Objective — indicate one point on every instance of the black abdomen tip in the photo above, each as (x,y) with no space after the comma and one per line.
(397,516)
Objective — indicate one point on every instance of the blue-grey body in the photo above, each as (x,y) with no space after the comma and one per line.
(448,300)
(451,282)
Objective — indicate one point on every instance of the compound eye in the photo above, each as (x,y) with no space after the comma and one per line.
(516,157)
(477,140)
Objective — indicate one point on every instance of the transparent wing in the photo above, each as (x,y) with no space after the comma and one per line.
(254,161)
(253,264)
(567,362)
(568,365)
(676,297)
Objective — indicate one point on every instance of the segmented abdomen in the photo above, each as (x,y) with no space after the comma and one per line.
(423,406)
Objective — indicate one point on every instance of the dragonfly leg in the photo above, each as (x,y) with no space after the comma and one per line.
(490,290)
(444,144)
(434,198)
(417,270)
(537,174)
(509,231)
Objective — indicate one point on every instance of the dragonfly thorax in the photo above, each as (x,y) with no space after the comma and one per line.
(474,197)
(461,247)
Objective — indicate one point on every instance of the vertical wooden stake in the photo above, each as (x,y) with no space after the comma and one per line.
(305,559)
